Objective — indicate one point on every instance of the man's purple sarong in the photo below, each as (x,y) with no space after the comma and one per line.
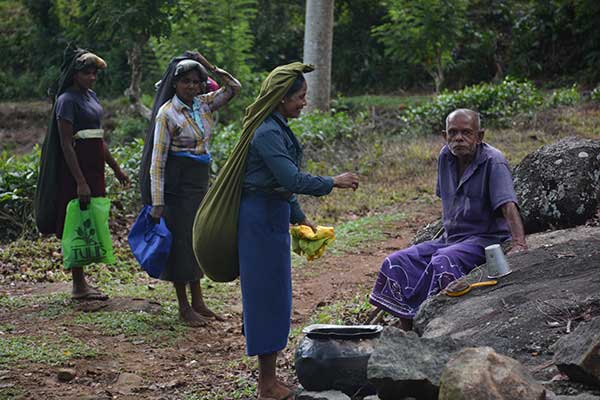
(472,220)
(408,277)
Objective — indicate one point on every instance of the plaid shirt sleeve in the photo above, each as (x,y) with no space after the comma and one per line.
(219,98)
(160,151)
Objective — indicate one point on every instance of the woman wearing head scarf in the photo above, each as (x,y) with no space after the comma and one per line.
(176,166)
(76,144)
(268,206)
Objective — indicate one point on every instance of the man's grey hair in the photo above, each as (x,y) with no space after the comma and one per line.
(471,113)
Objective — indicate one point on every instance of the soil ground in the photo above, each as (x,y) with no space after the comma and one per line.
(204,363)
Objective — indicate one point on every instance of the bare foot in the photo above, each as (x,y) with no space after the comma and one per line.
(278,391)
(207,312)
(87,293)
(192,318)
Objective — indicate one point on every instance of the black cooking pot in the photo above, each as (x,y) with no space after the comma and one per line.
(334,357)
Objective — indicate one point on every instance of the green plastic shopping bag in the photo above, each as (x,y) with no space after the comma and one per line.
(86,238)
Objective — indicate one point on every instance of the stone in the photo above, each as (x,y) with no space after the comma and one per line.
(327,395)
(403,364)
(583,396)
(527,311)
(127,383)
(558,184)
(482,374)
(66,374)
(578,353)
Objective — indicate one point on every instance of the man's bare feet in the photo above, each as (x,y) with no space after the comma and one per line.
(192,318)
(207,312)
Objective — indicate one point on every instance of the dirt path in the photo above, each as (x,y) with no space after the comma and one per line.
(207,363)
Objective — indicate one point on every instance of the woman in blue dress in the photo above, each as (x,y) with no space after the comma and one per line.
(268,206)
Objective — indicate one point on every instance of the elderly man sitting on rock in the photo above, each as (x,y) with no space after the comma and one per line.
(479,209)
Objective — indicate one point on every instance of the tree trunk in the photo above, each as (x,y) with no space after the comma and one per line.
(438,74)
(318,38)
(134,92)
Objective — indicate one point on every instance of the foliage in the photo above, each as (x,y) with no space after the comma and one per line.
(565,97)
(314,130)
(221,32)
(424,33)
(18,176)
(595,94)
(498,105)
(128,128)
(321,129)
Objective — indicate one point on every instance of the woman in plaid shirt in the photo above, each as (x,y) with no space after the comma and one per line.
(179,170)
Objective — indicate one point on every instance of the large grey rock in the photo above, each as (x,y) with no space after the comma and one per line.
(327,395)
(558,184)
(404,365)
(482,374)
(578,354)
(527,311)
(583,396)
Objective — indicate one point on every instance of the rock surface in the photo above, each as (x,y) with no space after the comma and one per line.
(66,374)
(127,383)
(578,354)
(404,365)
(482,374)
(528,310)
(327,395)
(558,184)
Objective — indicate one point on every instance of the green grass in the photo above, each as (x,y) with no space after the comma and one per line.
(160,328)
(12,393)
(351,235)
(42,349)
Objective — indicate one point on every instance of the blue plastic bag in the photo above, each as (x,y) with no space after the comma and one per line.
(150,243)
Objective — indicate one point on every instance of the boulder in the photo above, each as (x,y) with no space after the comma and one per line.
(405,365)
(583,396)
(327,395)
(558,184)
(528,310)
(578,354)
(482,374)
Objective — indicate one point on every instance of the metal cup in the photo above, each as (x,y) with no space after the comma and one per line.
(497,266)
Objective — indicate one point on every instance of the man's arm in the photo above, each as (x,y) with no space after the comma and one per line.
(515,224)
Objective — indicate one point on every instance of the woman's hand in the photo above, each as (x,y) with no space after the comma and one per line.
(309,224)
(84,194)
(122,177)
(200,58)
(156,212)
(347,180)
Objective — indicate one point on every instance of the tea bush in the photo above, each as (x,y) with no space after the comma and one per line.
(595,94)
(565,97)
(497,105)
(18,177)
(314,130)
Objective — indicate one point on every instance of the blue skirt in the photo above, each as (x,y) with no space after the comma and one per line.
(265,271)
